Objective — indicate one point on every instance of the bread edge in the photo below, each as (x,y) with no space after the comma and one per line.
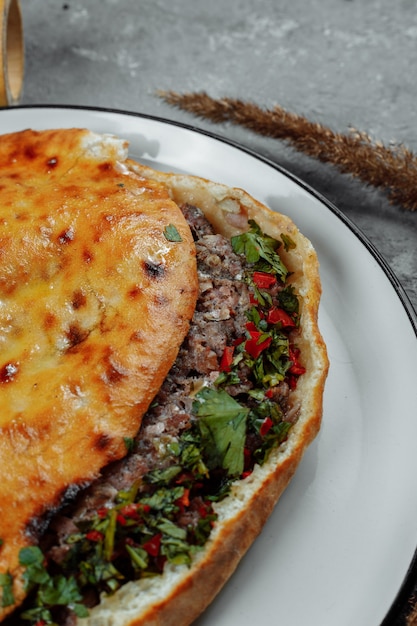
(181,594)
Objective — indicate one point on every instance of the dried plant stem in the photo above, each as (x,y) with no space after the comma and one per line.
(412,617)
(393,168)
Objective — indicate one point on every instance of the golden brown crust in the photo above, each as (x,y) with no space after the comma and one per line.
(182,593)
(95,301)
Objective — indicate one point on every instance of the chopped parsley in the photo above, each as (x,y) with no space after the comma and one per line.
(260,249)
(171,233)
(222,424)
(129,443)
(51,591)
(288,299)
(6,583)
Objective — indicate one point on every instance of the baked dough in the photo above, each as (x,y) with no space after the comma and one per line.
(181,593)
(97,286)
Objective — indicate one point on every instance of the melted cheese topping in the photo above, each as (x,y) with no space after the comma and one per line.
(94,304)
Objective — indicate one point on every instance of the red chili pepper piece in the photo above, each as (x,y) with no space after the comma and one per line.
(263,280)
(266,426)
(253,346)
(94,535)
(184,500)
(276,315)
(204,509)
(130,510)
(153,545)
(296,368)
(292,381)
(247,473)
(227,359)
(184,477)
(121,520)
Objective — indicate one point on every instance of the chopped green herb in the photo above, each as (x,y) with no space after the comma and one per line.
(61,591)
(167,527)
(138,556)
(6,582)
(222,423)
(51,591)
(289,244)
(288,300)
(191,454)
(164,499)
(276,435)
(129,443)
(33,560)
(171,233)
(128,496)
(163,477)
(109,535)
(256,246)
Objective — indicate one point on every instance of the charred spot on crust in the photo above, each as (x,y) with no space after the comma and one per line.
(87,256)
(66,236)
(102,441)
(78,299)
(49,320)
(76,335)
(113,374)
(105,167)
(114,371)
(8,286)
(136,336)
(134,292)
(30,153)
(37,525)
(105,225)
(154,270)
(8,372)
(21,217)
(86,352)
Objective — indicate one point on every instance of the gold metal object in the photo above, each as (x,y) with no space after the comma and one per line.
(11,52)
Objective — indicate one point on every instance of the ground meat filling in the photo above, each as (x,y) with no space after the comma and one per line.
(219,319)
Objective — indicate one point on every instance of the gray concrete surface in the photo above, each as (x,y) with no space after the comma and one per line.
(340,62)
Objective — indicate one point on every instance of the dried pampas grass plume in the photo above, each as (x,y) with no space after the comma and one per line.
(393,168)
(412,617)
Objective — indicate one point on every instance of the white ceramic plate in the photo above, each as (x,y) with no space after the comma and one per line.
(341,540)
